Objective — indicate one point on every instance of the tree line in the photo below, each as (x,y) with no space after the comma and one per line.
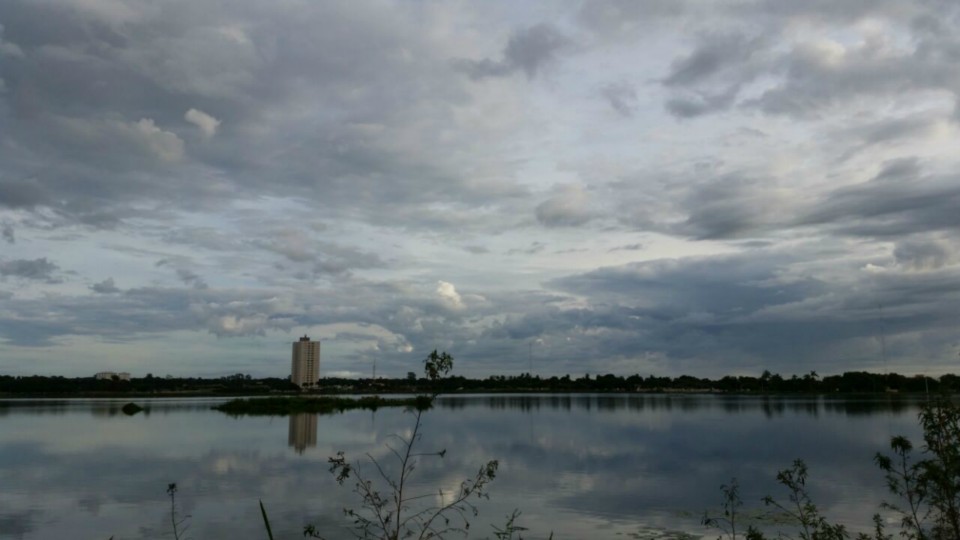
(235,384)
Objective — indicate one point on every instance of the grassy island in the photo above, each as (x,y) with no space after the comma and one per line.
(282,406)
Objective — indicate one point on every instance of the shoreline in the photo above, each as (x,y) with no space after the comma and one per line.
(473,392)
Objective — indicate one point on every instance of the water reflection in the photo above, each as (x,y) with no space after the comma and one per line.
(303,431)
(575,463)
(771,406)
(105,407)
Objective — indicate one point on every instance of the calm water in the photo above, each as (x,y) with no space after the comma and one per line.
(581,466)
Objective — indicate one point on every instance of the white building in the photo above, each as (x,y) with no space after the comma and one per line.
(305,366)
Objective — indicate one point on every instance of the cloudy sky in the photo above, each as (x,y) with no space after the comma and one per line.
(654,187)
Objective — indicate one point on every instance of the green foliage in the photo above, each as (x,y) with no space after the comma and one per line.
(436,366)
(266,521)
(283,406)
(178,523)
(930,487)
(131,409)
(244,384)
(904,479)
(940,479)
(727,523)
(510,528)
(800,508)
(388,510)
(659,533)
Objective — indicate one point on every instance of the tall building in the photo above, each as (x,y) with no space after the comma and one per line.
(305,368)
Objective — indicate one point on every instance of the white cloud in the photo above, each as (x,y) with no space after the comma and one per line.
(449,295)
(164,144)
(206,123)
(9,49)
(232,325)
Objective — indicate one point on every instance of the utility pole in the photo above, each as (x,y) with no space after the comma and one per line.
(530,360)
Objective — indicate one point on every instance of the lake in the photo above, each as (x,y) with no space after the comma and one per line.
(581,466)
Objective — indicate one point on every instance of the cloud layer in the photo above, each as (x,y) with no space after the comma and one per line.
(774,187)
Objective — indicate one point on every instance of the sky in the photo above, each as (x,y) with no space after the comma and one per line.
(611,186)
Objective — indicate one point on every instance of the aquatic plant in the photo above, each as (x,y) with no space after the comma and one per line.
(387,509)
(929,488)
(131,409)
(283,406)
(178,523)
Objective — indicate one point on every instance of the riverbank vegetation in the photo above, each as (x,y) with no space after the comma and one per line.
(286,405)
(925,491)
(924,485)
(851,382)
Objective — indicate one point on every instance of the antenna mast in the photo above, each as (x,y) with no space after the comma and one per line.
(883,339)
(530,360)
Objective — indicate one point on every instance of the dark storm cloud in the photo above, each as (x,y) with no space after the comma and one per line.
(899,200)
(220,137)
(890,129)
(36,269)
(532,249)
(621,96)
(139,312)
(21,193)
(129,80)
(19,524)
(746,310)
(711,284)
(711,57)
(803,78)
(145,311)
(628,247)
(106,286)
(709,77)
(693,105)
(8,233)
(326,257)
(705,204)
(190,278)
(902,199)
(818,77)
(886,132)
(528,50)
(923,254)
(729,207)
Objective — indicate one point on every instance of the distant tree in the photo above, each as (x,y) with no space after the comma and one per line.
(437,365)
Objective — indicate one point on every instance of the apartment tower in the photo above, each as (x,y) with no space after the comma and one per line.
(305,368)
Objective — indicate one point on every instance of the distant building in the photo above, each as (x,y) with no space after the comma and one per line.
(305,367)
(110,375)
